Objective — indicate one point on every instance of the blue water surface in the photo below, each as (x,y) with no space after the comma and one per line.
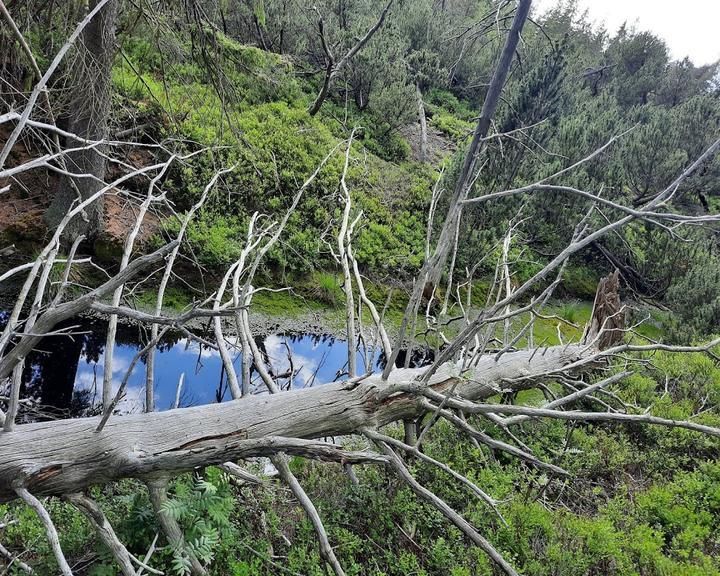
(63,375)
(315,360)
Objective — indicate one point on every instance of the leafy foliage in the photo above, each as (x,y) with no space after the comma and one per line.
(644,500)
(238,81)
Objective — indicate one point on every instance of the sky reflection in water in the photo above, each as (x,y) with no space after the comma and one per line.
(63,376)
(316,360)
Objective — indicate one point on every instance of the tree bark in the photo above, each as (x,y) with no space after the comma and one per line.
(423,125)
(60,457)
(332,68)
(100,523)
(89,113)
(433,266)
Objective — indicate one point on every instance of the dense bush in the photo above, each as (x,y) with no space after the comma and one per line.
(643,501)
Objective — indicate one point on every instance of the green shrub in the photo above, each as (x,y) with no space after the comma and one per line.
(326,287)
(457,129)
(450,103)
(580,281)
(215,241)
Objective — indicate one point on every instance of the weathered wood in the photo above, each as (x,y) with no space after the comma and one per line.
(608,317)
(50,530)
(281,463)
(104,530)
(423,124)
(9,556)
(56,314)
(157,490)
(59,457)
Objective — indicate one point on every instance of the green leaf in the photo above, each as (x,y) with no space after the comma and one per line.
(259,11)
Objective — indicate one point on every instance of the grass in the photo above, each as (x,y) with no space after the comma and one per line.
(177,298)
(285,303)
(577,312)
(546,329)
(533,397)
(326,287)
(322,293)
(652,328)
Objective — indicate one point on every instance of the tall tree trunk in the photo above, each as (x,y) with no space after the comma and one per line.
(89,113)
(423,125)
(433,266)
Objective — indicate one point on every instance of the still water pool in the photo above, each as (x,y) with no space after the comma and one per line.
(63,376)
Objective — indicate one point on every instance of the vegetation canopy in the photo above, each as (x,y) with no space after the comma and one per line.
(507,220)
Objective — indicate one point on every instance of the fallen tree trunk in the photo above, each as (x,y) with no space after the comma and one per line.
(60,457)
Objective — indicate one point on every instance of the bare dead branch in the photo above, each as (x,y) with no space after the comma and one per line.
(104,529)
(432,267)
(377,437)
(40,85)
(14,559)
(448,512)
(494,444)
(578,416)
(280,462)
(50,529)
(332,67)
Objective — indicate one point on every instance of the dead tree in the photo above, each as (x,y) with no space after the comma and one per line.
(334,66)
(64,458)
(423,157)
(89,115)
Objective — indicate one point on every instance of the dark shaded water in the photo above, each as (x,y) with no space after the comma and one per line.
(63,377)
